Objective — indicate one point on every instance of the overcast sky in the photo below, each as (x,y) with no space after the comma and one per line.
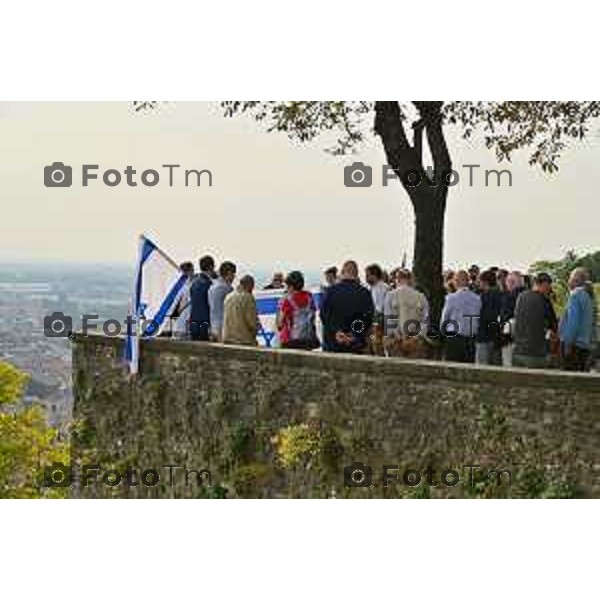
(272,202)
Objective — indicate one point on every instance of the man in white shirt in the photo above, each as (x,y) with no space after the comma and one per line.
(460,321)
(378,287)
(216,298)
(379,290)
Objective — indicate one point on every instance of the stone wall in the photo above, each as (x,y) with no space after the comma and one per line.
(274,423)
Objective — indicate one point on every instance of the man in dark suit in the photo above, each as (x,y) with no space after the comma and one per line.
(347,313)
(200,313)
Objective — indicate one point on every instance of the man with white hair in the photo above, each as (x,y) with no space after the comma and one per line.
(576,325)
(514,286)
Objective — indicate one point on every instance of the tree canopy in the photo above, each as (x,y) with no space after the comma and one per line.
(27,443)
(543,128)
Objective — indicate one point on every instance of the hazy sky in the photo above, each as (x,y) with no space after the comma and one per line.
(272,202)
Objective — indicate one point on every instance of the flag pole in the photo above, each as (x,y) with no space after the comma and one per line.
(133,331)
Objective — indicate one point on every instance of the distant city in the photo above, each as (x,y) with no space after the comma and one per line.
(29,292)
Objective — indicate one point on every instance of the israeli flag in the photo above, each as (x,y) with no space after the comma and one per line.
(267,304)
(158,287)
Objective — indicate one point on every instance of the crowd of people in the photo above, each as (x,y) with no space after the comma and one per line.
(491,317)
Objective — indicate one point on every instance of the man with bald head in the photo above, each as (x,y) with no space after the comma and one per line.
(240,319)
(347,313)
(514,286)
(576,325)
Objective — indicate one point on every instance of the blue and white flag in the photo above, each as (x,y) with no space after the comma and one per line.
(157,288)
(267,303)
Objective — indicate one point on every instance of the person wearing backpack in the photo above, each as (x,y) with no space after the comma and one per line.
(296,315)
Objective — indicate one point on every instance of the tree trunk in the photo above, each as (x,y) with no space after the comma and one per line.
(428,200)
(429,250)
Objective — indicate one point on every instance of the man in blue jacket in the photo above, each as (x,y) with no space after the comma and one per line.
(576,325)
(347,313)
(200,312)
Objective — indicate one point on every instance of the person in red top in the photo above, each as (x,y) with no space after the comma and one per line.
(296,315)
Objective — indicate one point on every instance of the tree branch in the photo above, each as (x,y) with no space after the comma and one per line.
(388,125)
(401,156)
(431,115)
